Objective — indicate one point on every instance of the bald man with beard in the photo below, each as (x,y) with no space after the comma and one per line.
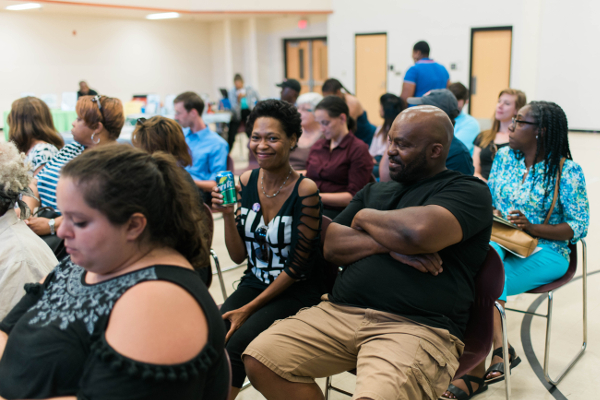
(410,249)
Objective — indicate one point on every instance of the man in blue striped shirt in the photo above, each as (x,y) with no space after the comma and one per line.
(209,150)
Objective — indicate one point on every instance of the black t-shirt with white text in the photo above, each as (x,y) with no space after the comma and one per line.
(382,283)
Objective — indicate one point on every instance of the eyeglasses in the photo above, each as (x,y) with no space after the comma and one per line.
(96,99)
(263,251)
(515,121)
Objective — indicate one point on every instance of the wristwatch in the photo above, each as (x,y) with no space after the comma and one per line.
(51,225)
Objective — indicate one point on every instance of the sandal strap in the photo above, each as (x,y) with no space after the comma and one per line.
(498,367)
(458,392)
(467,379)
(499,352)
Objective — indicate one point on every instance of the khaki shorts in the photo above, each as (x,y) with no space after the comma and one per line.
(395,357)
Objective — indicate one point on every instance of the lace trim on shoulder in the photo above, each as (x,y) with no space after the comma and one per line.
(305,249)
(158,373)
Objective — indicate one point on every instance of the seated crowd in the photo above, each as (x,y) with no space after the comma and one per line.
(103,284)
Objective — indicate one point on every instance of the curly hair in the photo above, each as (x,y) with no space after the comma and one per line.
(284,112)
(553,138)
(120,180)
(14,177)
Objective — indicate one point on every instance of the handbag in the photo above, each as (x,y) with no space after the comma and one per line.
(516,240)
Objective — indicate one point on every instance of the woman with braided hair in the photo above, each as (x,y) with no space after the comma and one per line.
(522,182)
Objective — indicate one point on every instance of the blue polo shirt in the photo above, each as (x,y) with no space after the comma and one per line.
(466,128)
(427,75)
(209,154)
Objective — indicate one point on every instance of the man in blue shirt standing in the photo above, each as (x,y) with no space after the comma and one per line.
(466,127)
(425,75)
(209,150)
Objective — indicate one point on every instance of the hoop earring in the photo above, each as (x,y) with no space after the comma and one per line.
(93,141)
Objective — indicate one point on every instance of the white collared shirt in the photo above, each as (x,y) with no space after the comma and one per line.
(24,258)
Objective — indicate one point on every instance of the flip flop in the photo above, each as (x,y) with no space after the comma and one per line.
(499,367)
(461,394)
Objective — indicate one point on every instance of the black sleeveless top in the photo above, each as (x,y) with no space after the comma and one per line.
(57,347)
(288,246)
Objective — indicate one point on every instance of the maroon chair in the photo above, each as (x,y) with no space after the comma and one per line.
(549,290)
(479,334)
(211,227)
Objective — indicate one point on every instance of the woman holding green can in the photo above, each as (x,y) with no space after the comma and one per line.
(277,227)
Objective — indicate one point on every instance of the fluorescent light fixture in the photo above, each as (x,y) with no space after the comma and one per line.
(26,6)
(163,15)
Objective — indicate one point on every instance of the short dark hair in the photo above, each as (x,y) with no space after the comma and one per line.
(335,107)
(459,91)
(162,134)
(191,101)
(422,46)
(287,114)
(238,77)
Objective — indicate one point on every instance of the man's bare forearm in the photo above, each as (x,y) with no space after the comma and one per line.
(344,245)
(415,230)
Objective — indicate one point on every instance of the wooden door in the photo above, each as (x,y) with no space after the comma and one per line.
(490,69)
(297,63)
(319,64)
(371,73)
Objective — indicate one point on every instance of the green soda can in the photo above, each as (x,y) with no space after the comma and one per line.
(226,185)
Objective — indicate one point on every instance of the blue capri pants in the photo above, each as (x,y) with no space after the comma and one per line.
(523,274)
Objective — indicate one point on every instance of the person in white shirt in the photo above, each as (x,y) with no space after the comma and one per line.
(24,257)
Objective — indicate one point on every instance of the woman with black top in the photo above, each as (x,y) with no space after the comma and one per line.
(487,143)
(277,228)
(164,134)
(125,316)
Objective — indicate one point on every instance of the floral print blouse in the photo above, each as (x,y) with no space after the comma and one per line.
(509,192)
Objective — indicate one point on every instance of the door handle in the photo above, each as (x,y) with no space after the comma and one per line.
(473,85)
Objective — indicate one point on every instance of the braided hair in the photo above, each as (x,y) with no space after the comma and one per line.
(555,142)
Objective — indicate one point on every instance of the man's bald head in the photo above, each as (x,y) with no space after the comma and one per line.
(420,140)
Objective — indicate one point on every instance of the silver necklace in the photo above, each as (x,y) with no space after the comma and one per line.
(280,187)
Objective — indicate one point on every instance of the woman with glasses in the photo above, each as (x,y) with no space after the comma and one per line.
(276,228)
(164,134)
(311,130)
(99,122)
(489,142)
(32,130)
(522,182)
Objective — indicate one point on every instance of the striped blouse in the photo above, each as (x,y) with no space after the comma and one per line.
(48,176)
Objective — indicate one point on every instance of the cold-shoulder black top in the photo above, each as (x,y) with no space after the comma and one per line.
(56,342)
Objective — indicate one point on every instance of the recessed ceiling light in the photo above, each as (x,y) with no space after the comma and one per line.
(26,6)
(163,15)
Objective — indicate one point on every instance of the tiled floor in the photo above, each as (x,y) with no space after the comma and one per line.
(583,382)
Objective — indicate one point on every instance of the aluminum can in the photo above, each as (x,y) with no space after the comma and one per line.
(226,185)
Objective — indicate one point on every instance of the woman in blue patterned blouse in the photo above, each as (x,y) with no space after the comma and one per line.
(522,183)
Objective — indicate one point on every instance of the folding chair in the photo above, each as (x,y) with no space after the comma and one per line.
(479,334)
(549,290)
(208,212)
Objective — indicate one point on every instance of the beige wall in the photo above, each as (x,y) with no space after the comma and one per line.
(118,57)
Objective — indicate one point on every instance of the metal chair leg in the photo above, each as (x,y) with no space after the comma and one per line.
(505,354)
(327,387)
(549,379)
(219,273)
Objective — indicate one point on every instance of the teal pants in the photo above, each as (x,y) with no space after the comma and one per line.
(523,274)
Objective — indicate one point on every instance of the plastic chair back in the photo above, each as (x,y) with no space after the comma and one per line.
(489,284)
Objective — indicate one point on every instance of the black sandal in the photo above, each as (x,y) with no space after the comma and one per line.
(499,367)
(461,394)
